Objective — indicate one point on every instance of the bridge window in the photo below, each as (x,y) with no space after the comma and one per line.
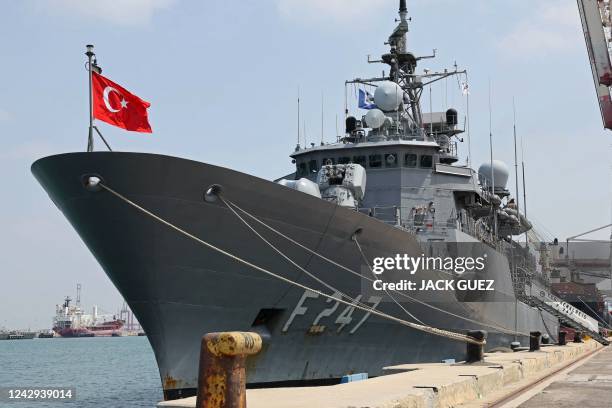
(426,161)
(410,160)
(375,160)
(390,160)
(361,160)
(344,160)
(301,170)
(312,166)
(328,161)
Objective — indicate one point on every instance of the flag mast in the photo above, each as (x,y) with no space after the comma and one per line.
(90,57)
(92,65)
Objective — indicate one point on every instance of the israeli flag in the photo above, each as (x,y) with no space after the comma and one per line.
(366,100)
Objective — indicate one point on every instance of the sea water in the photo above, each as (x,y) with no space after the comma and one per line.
(105,371)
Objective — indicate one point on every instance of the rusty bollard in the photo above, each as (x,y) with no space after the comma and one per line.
(577,337)
(222,374)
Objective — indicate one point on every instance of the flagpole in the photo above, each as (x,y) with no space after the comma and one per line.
(90,54)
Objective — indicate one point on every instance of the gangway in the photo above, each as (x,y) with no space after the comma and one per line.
(538,296)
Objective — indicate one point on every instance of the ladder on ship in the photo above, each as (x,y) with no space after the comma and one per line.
(538,296)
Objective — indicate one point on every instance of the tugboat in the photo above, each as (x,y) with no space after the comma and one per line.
(48,334)
(310,229)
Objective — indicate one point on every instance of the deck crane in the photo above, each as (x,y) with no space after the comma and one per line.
(597,26)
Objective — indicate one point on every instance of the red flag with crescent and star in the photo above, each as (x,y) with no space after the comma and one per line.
(117,106)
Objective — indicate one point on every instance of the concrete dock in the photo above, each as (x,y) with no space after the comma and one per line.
(424,385)
(588,385)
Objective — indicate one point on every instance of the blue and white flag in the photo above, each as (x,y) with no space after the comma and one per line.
(366,100)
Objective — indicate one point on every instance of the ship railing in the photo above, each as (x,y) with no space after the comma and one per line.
(405,218)
(450,149)
(479,231)
(389,215)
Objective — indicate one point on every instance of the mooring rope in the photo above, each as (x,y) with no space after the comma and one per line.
(550,334)
(427,329)
(354,237)
(278,251)
(490,325)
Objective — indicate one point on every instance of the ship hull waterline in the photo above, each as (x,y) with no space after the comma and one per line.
(180,290)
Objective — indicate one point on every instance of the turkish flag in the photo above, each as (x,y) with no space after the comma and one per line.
(115,105)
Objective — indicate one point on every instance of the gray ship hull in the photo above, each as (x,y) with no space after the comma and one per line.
(180,290)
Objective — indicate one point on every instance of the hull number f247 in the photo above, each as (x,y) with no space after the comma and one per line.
(344,319)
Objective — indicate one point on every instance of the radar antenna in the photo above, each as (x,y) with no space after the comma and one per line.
(407,121)
(397,39)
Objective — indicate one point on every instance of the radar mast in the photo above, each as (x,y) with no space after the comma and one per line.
(408,118)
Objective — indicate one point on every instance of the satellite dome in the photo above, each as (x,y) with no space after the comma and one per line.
(500,174)
(375,118)
(388,96)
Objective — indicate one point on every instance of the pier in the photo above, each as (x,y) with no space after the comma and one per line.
(588,383)
(500,377)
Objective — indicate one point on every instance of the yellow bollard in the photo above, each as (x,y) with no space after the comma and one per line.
(222,374)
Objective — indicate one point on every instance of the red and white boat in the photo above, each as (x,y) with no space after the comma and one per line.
(71,321)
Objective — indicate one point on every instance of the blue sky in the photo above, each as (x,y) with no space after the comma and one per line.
(222,78)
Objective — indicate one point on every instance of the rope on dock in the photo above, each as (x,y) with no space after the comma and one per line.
(431,330)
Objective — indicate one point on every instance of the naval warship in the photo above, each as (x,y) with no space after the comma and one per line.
(311,229)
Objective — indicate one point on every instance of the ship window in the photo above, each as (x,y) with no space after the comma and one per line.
(390,160)
(344,160)
(312,166)
(375,160)
(426,161)
(302,169)
(328,161)
(410,160)
(361,160)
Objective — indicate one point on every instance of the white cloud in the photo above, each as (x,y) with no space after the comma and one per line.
(325,11)
(552,27)
(125,12)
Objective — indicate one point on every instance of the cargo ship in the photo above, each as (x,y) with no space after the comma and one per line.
(71,321)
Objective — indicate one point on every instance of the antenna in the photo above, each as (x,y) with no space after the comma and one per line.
(298,119)
(515,157)
(467,112)
(322,118)
(524,190)
(337,132)
(430,112)
(492,172)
